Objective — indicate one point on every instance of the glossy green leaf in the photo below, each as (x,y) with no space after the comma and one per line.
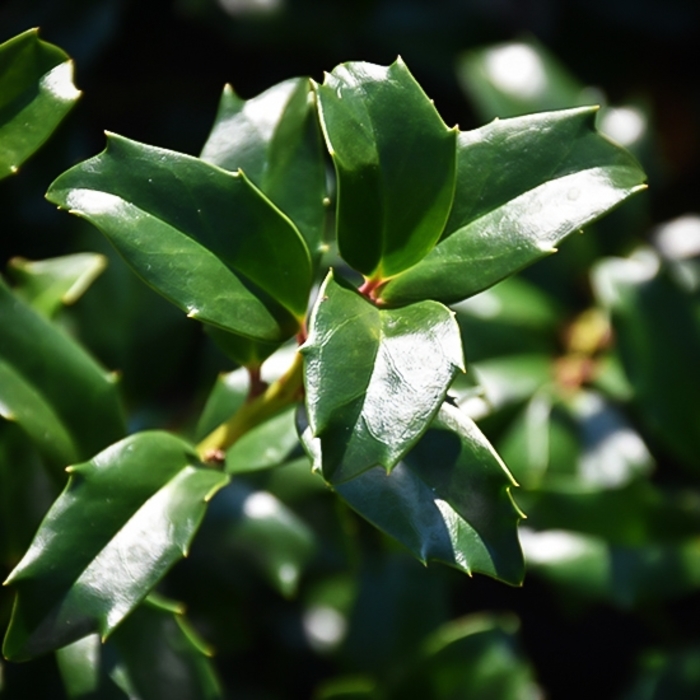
(124,518)
(658,335)
(374,378)
(395,166)
(47,284)
(36,93)
(473,657)
(275,139)
(523,185)
(51,388)
(449,499)
(259,526)
(206,239)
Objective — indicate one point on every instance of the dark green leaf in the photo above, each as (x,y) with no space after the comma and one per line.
(153,655)
(523,185)
(47,284)
(36,93)
(275,139)
(672,674)
(56,393)
(658,335)
(448,500)
(374,378)
(206,239)
(261,527)
(395,162)
(162,657)
(624,575)
(473,657)
(124,518)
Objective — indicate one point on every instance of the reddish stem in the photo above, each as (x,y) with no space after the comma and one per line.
(369,288)
(257,385)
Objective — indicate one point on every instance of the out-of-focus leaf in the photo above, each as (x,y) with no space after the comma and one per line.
(153,655)
(47,284)
(26,493)
(513,317)
(257,524)
(123,519)
(674,674)
(596,569)
(231,389)
(474,657)
(395,163)
(521,77)
(658,337)
(523,185)
(583,442)
(374,378)
(275,139)
(206,239)
(36,93)
(516,78)
(161,656)
(449,499)
(631,516)
(347,688)
(396,606)
(265,446)
(83,675)
(51,388)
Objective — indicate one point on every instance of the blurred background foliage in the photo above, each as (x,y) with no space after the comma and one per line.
(587,362)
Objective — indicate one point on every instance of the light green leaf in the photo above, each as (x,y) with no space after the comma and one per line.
(448,500)
(51,388)
(374,378)
(275,139)
(395,163)
(207,240)
(36,93)
(523,185)
(47,284)
(124,518)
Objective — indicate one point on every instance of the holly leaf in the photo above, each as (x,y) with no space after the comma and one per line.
(448,500)
(523,185)
(395,165)
(51,388)
(36,93)
(46,285)
(275,140)
(374,378)
(124,518)
(206,239)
